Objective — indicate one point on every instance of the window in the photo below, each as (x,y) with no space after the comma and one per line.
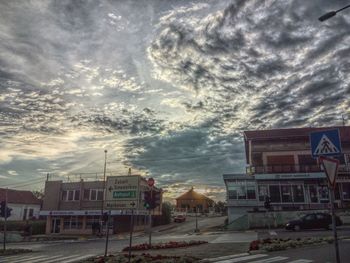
(72,222)
(241,190)
(298,194)
(286,193)
(90,220)
(263,192)
(70,195)
(251,190)
(323,194)
(275,194)
(25,213)
(313,193)
(346,191)
(93,194)
(310,217)
(31,212)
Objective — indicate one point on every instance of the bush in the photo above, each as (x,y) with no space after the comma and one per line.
(38,226)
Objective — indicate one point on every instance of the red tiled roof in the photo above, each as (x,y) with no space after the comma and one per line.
(19,197)
(294,132)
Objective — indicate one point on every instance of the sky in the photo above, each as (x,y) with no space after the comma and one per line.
(166,87)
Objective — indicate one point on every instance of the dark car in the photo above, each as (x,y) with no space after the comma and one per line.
(179,218)
(313,221)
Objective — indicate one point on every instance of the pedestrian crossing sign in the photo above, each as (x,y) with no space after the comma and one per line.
(325,143)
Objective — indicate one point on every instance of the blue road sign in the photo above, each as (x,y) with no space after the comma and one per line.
(325,143)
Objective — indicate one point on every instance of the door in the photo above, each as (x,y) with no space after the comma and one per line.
(55,225)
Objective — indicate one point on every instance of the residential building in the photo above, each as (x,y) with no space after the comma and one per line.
(74,207)
(24,204)
(192,201)
(280,166)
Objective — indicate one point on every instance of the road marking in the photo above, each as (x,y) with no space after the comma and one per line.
(49,259)
(301,261)
(226,257)
(268,260)
(233,260)
(27,259)
(76,259)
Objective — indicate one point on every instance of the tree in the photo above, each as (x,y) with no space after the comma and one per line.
(166,213)
(38,194)
(220,207)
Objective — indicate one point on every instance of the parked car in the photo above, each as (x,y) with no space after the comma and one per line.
(313,221)
(179,219)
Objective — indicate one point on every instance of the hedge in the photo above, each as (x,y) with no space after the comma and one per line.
(38,226)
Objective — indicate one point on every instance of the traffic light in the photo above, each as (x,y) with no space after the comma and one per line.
(148,199)
(267,203)
(4,210)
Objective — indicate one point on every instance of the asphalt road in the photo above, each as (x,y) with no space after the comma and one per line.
(50,252)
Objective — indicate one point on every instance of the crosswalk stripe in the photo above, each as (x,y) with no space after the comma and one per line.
(49,259)
(301,261)
(226,257)
(233,260)
(76,259)
(28,259)
(268,260)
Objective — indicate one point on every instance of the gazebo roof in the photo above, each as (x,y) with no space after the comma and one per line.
(192,195)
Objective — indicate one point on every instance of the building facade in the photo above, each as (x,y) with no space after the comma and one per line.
(75,207)
(280,166)
(192,201)
(24,205)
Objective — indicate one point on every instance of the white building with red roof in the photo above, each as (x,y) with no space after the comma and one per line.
(24,204)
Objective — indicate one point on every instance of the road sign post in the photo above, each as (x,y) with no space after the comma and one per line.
(131,228)
(328,143)
(107,234)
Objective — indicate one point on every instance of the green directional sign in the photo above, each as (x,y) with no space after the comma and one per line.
(124,194)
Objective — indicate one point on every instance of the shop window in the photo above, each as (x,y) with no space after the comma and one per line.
(275,194)
(241,190)
(263,192)
(72,222)
(286,193)
(323,194)
(346,191)
(313,193)
(298,194)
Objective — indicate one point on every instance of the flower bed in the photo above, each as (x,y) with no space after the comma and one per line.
(276,244)
(170,244)
(123,258)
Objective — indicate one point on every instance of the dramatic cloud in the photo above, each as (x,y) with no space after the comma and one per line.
(166,86)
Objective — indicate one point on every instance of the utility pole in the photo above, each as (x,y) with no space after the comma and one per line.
(107,234)
(104,190)
(5,221)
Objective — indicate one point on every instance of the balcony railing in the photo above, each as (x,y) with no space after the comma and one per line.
(302,168)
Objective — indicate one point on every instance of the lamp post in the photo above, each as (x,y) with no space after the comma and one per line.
(331,14)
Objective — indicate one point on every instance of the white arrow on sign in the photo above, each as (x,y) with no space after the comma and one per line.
(330,166)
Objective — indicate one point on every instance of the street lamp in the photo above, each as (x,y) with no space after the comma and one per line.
(331,14)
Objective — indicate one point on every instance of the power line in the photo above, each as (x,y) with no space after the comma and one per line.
(180,158)
(37,180)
